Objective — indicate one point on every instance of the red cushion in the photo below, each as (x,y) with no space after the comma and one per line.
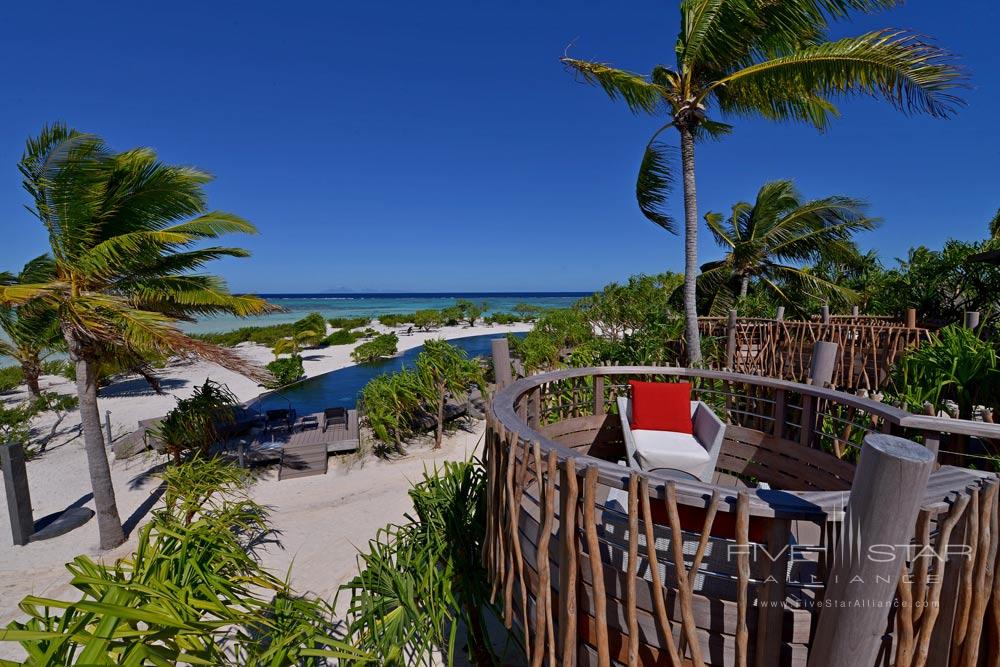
(661,406)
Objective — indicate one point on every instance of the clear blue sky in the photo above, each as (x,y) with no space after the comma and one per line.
(440,146)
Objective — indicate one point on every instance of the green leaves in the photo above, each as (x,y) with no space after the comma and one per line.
(653,185)
(192,592)
(383,345)
(419,581)
(639,94)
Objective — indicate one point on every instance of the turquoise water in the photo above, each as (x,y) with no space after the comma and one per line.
(340,388)
(371,305)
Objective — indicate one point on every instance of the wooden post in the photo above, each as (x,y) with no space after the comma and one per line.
(780,314)
(824,361)
(568,494)
(971,319)
(854,311)
(731,340)
(824,314)
(866,563)
(107,425)
(599,395)
(501,362)
(534,408)
(15,482)
(911,318)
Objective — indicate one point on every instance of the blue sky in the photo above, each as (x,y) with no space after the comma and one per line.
(391,146)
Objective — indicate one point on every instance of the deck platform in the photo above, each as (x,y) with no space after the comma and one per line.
(303,449)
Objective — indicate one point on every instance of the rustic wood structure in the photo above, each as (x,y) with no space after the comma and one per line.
(593,563)
(868,346)
(306,448)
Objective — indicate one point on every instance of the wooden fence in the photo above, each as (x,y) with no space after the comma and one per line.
(783,349)
(595,563)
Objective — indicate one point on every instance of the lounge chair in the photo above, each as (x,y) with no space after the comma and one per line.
(281,418)
(334,416)
(658,450)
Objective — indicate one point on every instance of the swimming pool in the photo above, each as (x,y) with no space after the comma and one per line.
(340,388)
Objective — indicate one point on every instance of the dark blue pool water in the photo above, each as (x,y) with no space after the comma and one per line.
(340,388)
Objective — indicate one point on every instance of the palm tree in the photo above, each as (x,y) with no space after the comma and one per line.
(769,241)
(995,225)
(32,329)
(747,58)
(122,227)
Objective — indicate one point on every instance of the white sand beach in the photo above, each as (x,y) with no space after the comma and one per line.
(321,520)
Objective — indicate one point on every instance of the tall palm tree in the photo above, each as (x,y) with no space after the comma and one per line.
(123,228)
(771,240)
(32,330)
(995,225)
(760,58)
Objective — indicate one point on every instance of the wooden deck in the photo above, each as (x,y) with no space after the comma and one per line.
(301,452)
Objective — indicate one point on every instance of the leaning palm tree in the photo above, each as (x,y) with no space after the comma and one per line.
(770,241)
(747,58)
(123,229)
(32,330)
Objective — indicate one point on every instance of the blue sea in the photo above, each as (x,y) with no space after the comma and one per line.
(297,306)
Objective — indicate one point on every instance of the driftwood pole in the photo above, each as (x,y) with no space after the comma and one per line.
(867,560)
(731,340)
(15,482)
(824,361)
(824,313)
(971,319)
(854,311)
(780,314)
(911,318)
(501,362)
(107,425)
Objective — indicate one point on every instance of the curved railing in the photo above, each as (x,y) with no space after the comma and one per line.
(556,487)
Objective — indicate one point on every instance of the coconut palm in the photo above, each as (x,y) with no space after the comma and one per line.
(770,241)
(995,225)
(32,330)
(123,229)
(759,58)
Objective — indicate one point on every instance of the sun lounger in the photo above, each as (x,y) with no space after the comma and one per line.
(335,417)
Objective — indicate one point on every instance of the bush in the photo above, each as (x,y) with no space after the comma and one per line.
(501,318)
(266,335)
(348,322)
(62,368)
(192,592)
(11,377)
(342,337)
(390,402)
(285,371)
(198,421)
(427,318)
(396,319)
(313,323)
(383,345)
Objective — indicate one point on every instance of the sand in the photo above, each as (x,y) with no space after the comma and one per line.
(321,519)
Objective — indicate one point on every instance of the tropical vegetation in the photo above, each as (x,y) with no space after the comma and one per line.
(198,421)
(32,329)
(192,592)
(383,345)
(773,60)
(123,230)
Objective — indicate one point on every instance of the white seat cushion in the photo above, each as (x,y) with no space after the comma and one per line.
(667,449)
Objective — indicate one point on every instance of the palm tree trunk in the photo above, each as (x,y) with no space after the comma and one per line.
(744,286)
(109,524)
(692,338)
(439,434)
(32,370)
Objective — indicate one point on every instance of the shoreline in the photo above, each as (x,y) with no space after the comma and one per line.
(58,479)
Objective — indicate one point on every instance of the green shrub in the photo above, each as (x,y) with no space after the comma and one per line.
(427,318)
(60,367)
(192,592)
(11,377)
(348,322)
(396,319)
(501,318)
(267,335)
(313,323)
(420,580)
(390,402)
(383,345)
(342,337)
(198,421)
(285,371)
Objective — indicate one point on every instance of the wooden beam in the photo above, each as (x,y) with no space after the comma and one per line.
(501,362)
(881,514)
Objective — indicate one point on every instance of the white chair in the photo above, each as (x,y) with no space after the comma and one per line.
(694,454)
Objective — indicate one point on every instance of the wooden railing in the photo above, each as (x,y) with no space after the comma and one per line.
(783,348)
(593,562)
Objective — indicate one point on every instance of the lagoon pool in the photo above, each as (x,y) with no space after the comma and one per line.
(340,388)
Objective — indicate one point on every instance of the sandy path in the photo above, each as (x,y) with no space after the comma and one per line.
(321,519)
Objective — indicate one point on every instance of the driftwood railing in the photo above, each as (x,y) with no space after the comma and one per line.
(783,348)
(594,563)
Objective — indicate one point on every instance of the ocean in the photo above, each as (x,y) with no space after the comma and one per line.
(297,306)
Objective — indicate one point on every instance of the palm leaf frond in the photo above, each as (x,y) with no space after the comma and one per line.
(654,184)
(638,93)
